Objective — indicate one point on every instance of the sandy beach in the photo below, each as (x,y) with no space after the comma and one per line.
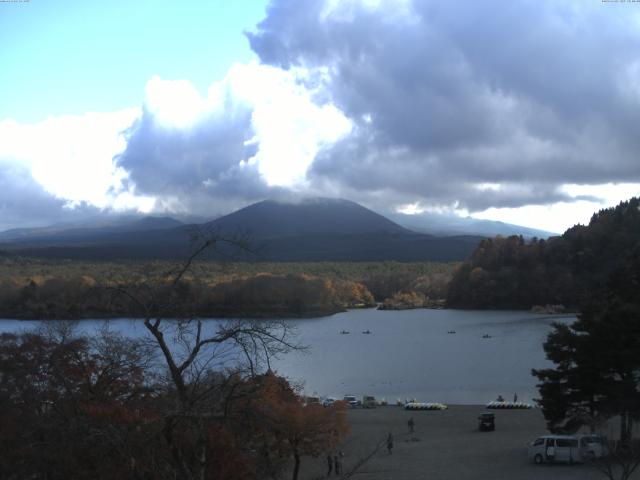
(445,445)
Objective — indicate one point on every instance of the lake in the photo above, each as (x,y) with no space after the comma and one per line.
(408,353)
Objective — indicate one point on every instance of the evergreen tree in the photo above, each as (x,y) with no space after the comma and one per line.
(597,359)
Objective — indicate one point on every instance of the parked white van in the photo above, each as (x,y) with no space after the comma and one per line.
(554,448)
(566,448)
(592,446)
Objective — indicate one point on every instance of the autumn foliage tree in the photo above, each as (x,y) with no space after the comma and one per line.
(69,406)
(287,428)
(74,407)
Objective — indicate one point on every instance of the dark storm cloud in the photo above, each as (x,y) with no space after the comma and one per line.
(447,97)
(203,167)
(24,203)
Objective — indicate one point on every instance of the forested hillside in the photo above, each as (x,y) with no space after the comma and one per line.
(512,273)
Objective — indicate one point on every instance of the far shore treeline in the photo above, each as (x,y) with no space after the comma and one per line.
(502,273)
(52,289)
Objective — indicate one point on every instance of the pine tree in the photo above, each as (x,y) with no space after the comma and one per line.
(597,359)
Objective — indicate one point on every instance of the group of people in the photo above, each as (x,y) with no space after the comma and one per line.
(334,459)
(411,424)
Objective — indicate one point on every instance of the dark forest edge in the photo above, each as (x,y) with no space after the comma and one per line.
(511,273)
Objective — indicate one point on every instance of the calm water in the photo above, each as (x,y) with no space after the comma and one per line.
(408,354)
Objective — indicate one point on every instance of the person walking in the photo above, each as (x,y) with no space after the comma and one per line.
(390,443)
(337,460)
(330,464)
(411,424)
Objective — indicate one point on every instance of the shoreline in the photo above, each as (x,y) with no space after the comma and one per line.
(294,315)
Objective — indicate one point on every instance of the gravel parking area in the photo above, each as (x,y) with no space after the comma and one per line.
(446,445)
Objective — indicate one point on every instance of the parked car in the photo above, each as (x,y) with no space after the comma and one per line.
(351,400)
(369,401)
(327,402)
(486,422)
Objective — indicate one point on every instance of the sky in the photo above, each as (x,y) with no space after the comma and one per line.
(524,111)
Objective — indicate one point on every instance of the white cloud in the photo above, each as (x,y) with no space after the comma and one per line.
(610,193)
(289,127)
(560,216)
(449,111)
(174,103)
(463,130)
(254,134)
(71,155)
(345,10)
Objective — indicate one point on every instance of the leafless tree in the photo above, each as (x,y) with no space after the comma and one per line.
(621,462)
(198,355)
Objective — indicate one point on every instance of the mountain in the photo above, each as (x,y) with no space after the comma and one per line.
(311,230)
(317,216)
(152,223)
(97,226)
(446,225)
(369,247)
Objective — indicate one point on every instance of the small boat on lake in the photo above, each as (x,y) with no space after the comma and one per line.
(366,332)
(344,332)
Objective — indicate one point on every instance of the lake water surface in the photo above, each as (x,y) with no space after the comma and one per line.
(408,354)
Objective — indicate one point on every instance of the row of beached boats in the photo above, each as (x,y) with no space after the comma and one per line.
(367,332)
(441,406)
(508,405)
(425,406)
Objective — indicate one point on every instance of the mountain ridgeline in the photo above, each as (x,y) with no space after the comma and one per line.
(310,230)
(566,270)
(321,216)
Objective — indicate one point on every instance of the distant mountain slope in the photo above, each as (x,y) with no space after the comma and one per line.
(94,228)
(152,223)
(447,225)
(318,230)
(319,216)
(369,247)
(363,247)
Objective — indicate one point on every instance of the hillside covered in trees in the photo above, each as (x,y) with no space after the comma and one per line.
(512,273)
